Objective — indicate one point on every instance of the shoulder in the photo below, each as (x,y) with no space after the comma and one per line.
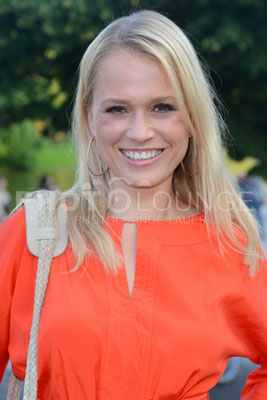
(14,227)
(12,244)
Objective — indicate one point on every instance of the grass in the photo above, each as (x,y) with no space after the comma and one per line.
(54,154)
(54,159)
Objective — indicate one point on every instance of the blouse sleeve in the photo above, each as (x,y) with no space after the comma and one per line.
(256,334)
(12,245)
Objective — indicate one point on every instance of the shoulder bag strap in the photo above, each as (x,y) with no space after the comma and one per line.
(45,245)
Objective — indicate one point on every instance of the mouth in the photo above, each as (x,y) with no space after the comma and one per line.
(141,155)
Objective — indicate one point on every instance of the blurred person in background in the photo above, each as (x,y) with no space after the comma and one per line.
(253,194)
(47,183)
(5,199)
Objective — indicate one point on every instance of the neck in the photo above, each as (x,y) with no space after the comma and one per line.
(155,203)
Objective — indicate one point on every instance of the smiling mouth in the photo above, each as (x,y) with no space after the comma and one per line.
(141,155)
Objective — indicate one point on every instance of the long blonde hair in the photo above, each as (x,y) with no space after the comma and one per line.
(211,190)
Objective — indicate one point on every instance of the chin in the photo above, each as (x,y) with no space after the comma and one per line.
(143,183)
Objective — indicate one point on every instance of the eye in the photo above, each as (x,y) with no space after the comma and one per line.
(163,107)
(116,110)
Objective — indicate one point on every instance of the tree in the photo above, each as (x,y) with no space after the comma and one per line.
(43,42)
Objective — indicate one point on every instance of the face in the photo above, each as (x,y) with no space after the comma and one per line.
(139,130)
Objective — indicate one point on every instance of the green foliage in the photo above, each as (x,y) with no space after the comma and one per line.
(19,145)
(40,48)
(42,42)
(54,155)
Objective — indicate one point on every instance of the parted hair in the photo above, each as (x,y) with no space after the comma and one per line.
(211,190)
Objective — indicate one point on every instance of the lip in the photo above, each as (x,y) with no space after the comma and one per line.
(141,163)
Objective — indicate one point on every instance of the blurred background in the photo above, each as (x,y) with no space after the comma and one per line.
(41,44)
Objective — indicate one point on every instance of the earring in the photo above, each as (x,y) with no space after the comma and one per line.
(87,159)
(187,173)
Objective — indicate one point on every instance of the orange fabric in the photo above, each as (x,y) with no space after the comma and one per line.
(190,311)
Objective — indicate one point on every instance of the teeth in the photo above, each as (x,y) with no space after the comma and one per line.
(144,155)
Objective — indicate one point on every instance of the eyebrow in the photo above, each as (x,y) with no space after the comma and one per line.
(155,100)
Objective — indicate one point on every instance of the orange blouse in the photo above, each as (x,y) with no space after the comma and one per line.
(191,310)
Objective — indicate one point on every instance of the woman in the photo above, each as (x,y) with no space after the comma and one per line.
(152,308)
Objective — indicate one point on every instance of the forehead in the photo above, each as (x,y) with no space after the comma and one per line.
(131,73)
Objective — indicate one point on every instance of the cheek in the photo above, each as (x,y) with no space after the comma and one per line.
(176,131)
(107,135)
(103,131)
(109,131)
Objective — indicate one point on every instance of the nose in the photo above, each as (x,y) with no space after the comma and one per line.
(140,128)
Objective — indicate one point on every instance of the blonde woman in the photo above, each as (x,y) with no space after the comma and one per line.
(162,280)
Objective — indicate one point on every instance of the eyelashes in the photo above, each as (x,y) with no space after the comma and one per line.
(163,107)
(158,108)
(116,110)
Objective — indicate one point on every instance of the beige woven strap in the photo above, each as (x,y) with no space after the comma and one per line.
(46,218)
(14,387)
(46,215)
